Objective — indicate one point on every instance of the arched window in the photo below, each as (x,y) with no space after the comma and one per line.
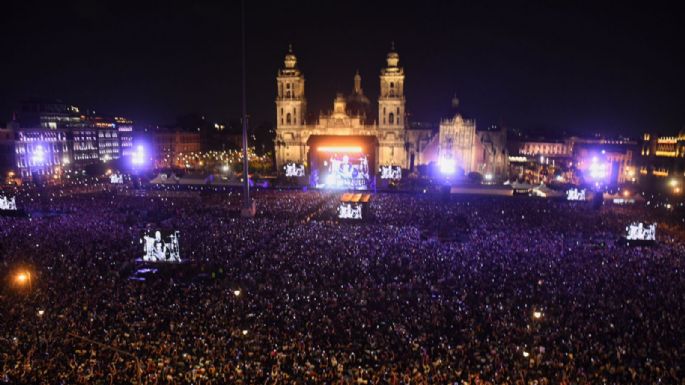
(383,115)
(280,87)
(391,118)
(287,87)
(281,116)
(288,118)
(294,115)
(392,89)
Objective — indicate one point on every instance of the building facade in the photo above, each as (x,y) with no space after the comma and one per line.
(456,143)
(41,154)
(170,143)
(347,118)
(663,156)
(92,138)
(395,142)
(466,149)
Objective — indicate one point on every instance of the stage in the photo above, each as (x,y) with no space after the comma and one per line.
(342,162)
(185,271)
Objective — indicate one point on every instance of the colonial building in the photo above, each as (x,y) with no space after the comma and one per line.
(389,140)
(466,149)
(347,118)
(663,156)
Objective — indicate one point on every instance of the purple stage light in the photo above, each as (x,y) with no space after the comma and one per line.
(138,156)
(38,156)
(599,170)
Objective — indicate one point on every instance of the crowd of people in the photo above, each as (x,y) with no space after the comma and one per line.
(537,292)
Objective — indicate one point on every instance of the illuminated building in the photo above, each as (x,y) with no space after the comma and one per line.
(543,160)
(125,132)
(168,144)
(108,139)
(548,149)
(456,139)
(467,149)
(41,153)
(663,156)
(84,146)
(347,119)
(389,140)
(92,138)
(48,114)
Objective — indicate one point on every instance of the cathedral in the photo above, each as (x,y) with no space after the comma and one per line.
(385,142)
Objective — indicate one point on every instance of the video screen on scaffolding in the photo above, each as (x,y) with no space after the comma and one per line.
(343,168)
(161,246)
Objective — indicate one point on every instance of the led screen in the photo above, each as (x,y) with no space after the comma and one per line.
(8,203)
(294,170)
(641,232)
(575,195)
(350,211)
(346,170)
(391,172)
(161,246)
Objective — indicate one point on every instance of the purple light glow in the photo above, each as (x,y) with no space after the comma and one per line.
(447,166)
(138,157)
(598,170)
(38,156)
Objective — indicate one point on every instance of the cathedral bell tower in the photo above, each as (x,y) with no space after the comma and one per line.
(290,112)
(391,115)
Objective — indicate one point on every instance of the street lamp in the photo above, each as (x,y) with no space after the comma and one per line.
(23,278)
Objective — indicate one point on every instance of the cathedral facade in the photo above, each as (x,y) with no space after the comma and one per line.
(466,149)
(347,118)
(392,142)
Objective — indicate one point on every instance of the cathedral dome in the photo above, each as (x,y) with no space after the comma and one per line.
(290,58)
(393,57)
(357,103)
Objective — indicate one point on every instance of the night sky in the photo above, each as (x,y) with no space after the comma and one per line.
(577,69)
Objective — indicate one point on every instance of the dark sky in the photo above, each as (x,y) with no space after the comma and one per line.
(577,68)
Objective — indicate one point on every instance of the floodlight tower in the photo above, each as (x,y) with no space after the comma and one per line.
(248,210)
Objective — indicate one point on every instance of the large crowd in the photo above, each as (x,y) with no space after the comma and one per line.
(536,292)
